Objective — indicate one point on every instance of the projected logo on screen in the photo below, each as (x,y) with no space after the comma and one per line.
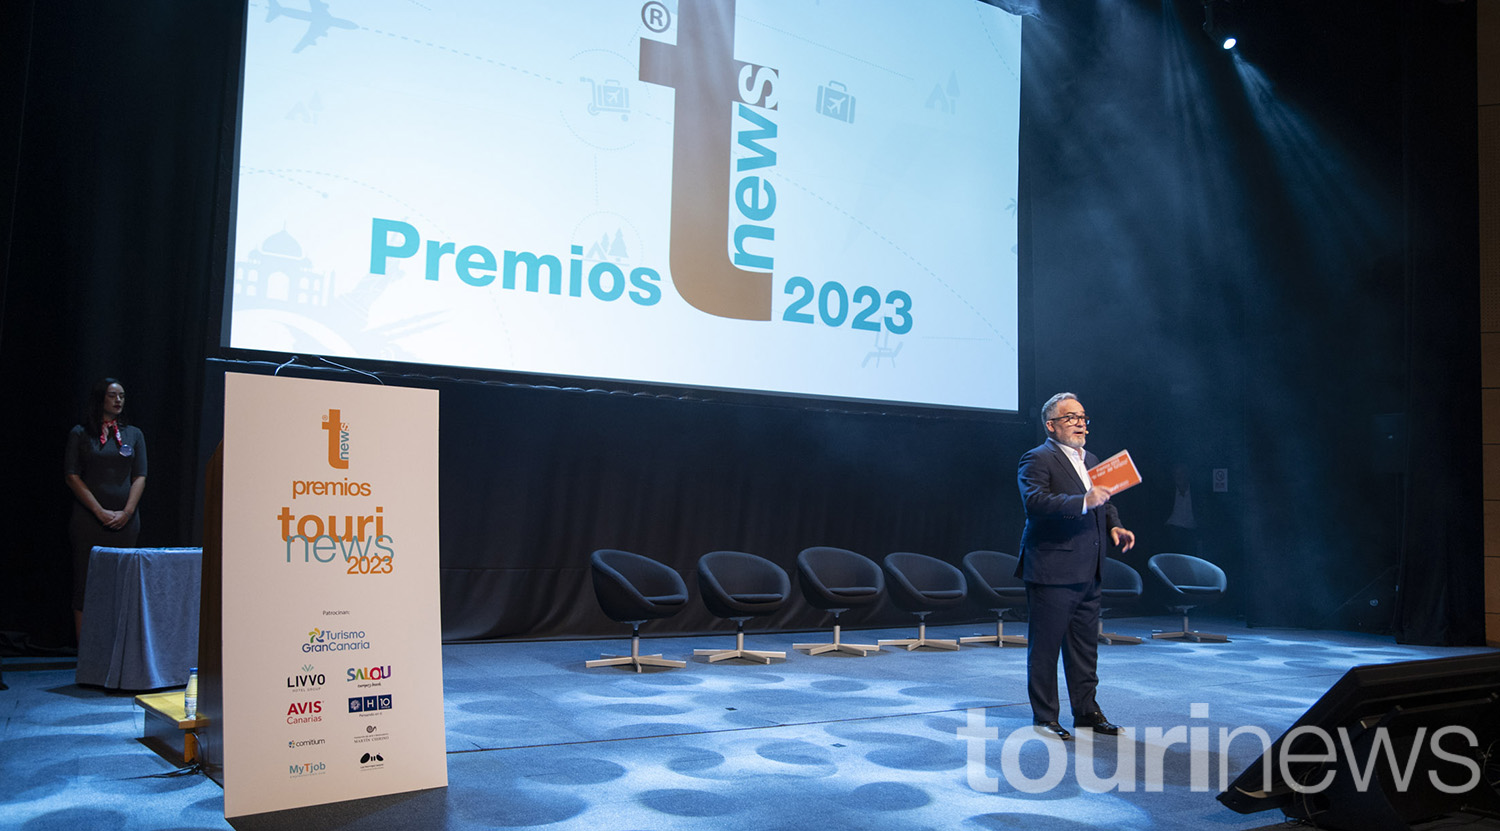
(702,68)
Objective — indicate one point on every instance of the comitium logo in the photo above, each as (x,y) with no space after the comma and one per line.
(338,440)
(702,69)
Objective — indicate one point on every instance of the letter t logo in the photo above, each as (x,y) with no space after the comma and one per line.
(703,71)
(334,427)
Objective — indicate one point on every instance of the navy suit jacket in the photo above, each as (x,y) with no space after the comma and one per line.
(1061,544)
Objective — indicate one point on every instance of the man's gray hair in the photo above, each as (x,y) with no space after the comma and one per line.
(1049,410)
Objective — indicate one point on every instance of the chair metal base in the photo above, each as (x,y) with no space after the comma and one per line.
(920,640)
(1195,637)
(635,658)
(860,649)
(998,639)
(637,661)
(739,651)
(1112,638)
(1188,634)
(1115,639)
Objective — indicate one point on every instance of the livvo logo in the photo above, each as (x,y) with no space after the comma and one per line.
(338,440)
(702,68)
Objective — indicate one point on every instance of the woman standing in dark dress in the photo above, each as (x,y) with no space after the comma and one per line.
(105,467)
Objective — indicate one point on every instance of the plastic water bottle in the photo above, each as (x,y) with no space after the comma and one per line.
(190,696)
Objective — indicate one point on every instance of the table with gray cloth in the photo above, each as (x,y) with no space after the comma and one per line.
(140,618)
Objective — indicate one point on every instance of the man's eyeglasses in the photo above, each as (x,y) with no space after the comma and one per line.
(1072,418)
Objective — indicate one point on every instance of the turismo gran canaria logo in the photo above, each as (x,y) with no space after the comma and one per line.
(335,640)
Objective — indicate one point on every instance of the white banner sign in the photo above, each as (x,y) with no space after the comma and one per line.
(333,677)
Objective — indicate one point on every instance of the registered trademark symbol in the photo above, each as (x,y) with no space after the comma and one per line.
(656,17)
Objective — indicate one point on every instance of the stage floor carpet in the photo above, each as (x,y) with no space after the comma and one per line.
(536,740)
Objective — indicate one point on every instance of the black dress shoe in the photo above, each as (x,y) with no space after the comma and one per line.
(1052,729)
(1096,722)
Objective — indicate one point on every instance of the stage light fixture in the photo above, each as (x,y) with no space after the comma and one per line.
(1219,23)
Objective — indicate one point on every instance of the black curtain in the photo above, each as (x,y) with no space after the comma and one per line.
(1266,268)
(1442,568)
(111,263)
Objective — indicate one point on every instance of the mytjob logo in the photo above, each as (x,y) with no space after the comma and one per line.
(338,440)
(301,769)
(708,80)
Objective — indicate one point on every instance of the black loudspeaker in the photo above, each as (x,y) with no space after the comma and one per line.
(1386,746)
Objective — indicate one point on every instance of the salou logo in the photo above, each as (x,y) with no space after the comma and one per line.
(304,712)
(370,676)
(330,640)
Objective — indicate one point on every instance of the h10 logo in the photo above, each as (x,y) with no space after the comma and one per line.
(369,703)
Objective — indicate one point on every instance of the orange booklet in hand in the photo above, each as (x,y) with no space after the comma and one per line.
(1115,473)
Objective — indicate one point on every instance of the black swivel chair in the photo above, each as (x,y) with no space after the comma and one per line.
(922,585)
(1190,582)
(1120,585)
(634,589)
(837,580)
(740,586)
(992,579)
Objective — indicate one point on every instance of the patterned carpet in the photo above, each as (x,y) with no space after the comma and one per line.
(930,739)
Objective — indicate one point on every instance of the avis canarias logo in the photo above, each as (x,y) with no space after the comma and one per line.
(702,68)
(338,440)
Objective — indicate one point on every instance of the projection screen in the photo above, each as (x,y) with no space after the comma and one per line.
(779,196)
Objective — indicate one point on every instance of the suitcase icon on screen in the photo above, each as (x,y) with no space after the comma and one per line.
(835,101)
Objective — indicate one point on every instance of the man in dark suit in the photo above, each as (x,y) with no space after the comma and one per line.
(1069,526)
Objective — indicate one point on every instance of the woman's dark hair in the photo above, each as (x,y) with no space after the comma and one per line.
(94,416)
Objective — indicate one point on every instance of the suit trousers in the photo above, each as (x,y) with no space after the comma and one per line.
(1063,620)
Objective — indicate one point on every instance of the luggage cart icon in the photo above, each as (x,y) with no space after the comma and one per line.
(609,97)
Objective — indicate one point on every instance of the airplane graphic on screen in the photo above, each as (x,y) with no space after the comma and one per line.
(319,21)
